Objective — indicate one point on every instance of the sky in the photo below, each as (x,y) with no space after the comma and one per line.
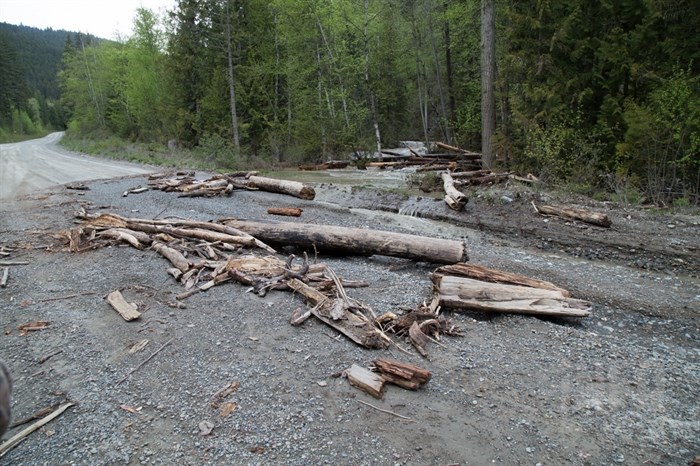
(108,19)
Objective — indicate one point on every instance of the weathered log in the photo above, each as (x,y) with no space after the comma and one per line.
(356,241)
(175,257)
(128,311)
(594,218)
(442,145)
(5,277)
(470,294)
(484,274)
(208,235)
(470,174)
(123,235)
(403,374)
(292,188)
(454,198)
(367,381)
(285,211)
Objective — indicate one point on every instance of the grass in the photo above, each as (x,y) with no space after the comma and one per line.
(7,137)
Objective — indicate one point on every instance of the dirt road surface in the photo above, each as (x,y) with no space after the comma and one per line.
(39,163)
(619,387)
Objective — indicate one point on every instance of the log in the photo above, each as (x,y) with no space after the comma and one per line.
(5,277)
(467,293)
(356,241)
(442,145)
(128,311)
(367,381)
(470,174)
(175,257)
(285,211)
(292,188)
(403,374)
(484,274)
(594,218)
(454,198)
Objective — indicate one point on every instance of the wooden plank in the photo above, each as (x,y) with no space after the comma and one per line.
(367,381)
(128,311)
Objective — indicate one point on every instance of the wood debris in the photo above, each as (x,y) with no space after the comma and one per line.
(285,211)
(455,199)
(528,297)
(366,380)
(5,277)
(574,213)
(16,439)
(403,374)
(24,329)
(128,311)
(330,165)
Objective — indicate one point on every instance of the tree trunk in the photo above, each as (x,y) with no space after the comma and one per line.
(356,241)
(292,188)
(231,82)
(488,79)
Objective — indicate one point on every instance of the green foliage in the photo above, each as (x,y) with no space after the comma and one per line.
(662,140)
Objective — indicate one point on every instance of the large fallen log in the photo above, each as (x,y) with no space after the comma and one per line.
(355,240)
(469,294)
(292,188)
(594,218)
(454,198)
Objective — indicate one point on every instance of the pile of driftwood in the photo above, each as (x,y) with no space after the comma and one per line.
(202,256)
(487,177)
(453,158)
(186,184)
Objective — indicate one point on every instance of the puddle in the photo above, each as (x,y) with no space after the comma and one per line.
(374,177)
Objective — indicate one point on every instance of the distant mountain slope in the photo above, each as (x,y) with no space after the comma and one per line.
(39,52)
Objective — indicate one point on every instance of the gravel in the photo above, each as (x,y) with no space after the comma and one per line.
(620,387)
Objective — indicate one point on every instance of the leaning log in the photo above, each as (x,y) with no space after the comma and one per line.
(454,198)
(469,294)
(292,188)
(594,218)
(356,241)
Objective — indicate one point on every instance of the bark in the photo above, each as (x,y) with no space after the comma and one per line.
(594,218)
(488,79)
(356,241)
(231,81)
(469,294)
(292,188)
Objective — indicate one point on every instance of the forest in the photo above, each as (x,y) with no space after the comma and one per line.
(600,95)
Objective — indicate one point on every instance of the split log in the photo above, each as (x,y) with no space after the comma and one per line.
(367,381)
(292,188)
(356,241)
(403,374)
(128,311)
(594,218)
(466,293)
(484,274)
(285,211)
(454,198)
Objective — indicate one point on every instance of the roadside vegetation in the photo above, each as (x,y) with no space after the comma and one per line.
(609,108)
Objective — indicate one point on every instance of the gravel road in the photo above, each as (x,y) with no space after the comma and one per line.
(39,163)
(620,387)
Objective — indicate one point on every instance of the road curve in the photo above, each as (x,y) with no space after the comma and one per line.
(38,164)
